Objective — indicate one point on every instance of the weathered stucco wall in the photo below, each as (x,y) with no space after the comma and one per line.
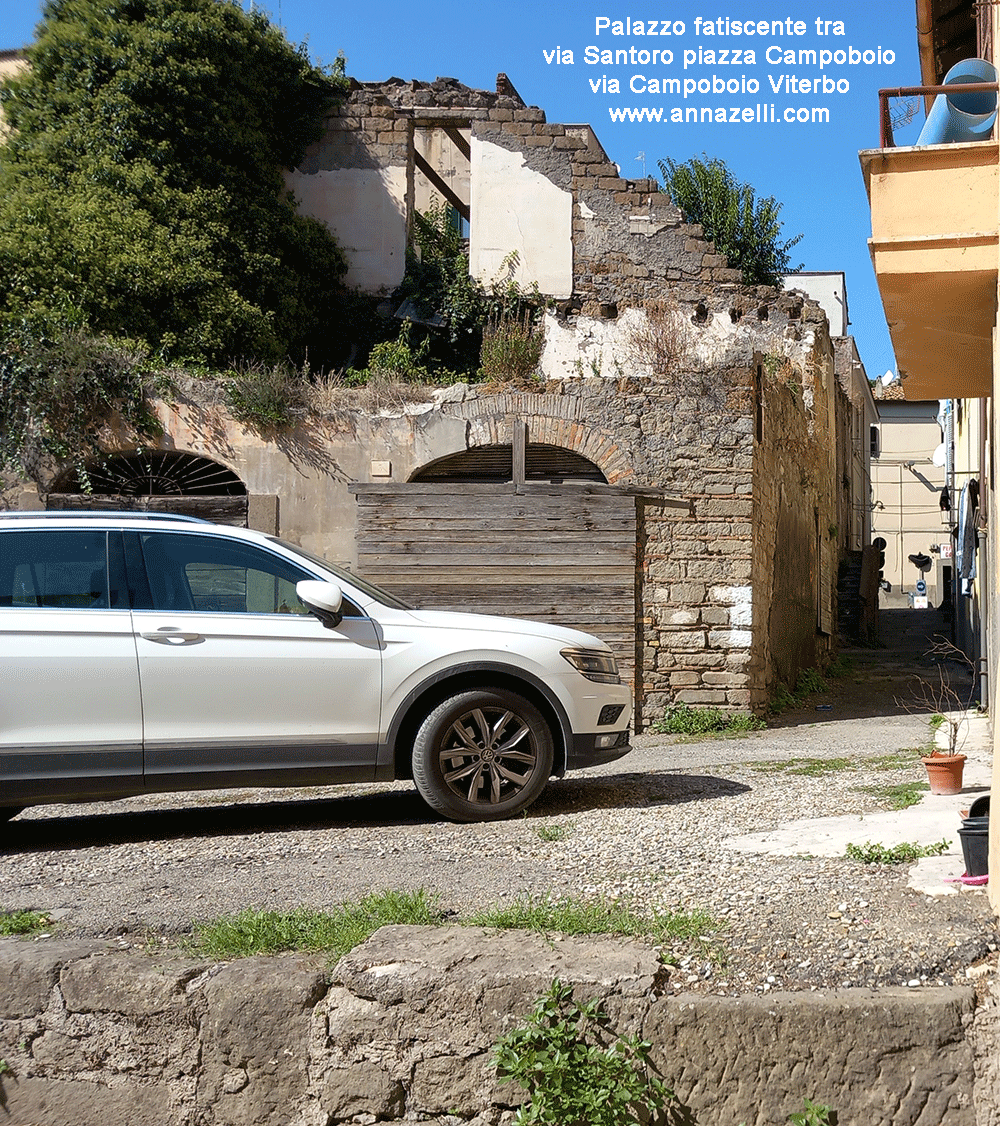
(403,1028)
(516,211)
(545,191)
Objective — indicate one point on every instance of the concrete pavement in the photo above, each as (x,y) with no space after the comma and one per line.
(907,635)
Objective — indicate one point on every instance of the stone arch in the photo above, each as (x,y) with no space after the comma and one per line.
(552,420)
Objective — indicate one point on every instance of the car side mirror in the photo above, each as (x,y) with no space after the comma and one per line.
(323,599)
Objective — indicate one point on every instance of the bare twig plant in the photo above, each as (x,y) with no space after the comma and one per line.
(663,339)
(331,396)
(947,701)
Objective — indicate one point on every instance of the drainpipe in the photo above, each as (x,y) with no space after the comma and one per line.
(948,436)
(925,47)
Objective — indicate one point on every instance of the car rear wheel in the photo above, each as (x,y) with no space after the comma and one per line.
(482,755)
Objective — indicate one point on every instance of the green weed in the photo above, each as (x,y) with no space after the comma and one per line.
(553,832)
(808,682)
(840,667)
(811,767)
(22,922)
(814,1114)
(682,719)
(573,1068)
(871,853)
(899,796)
(895,760)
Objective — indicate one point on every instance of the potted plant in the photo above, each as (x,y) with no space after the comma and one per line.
(949,719)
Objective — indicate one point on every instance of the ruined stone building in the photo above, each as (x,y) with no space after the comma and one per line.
(670,485)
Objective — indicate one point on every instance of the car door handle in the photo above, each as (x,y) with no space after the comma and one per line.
(170,635)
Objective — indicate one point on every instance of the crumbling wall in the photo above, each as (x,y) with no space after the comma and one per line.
(402,1029)
(548,206)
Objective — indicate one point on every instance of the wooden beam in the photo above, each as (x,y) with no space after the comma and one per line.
(442,187)
(519,446)
(458,140)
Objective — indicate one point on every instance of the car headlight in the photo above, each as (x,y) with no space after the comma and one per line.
(594,664)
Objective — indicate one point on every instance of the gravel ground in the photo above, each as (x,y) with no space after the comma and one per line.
(651,829)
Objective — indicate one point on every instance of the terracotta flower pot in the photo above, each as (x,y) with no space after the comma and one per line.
(944,772)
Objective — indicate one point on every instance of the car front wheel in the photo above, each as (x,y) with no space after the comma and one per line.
(482,756)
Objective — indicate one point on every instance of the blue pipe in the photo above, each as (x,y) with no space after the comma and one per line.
(962,117)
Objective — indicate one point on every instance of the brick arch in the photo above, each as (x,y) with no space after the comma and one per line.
(493,428)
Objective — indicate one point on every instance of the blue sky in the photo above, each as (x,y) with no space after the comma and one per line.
(812,169)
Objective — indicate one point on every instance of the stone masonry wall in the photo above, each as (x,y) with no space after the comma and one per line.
(402,1029)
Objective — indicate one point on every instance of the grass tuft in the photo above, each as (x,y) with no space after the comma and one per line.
(333,932)
(583,916)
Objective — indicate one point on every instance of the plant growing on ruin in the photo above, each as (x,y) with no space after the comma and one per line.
(60,388)
(743,227)
(512,348)
(663,339)
(576,1072)
(262,395)
(438,282)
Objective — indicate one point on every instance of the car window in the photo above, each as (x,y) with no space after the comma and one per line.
(215,575)
(59,569)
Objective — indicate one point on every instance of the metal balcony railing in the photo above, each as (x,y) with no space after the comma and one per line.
(886,140)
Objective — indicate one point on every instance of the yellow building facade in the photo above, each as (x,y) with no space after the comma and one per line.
(935,212)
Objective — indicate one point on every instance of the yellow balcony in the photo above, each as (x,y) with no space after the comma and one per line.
(934,249)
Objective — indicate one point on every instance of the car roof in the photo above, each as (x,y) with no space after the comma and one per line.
(97,514)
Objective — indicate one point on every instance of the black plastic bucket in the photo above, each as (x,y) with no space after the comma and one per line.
(975,837)
(980,807)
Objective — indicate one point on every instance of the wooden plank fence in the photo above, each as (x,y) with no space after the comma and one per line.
(556,553)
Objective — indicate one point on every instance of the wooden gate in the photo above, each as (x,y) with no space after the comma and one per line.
(554,553)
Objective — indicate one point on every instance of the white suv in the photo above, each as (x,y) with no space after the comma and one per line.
(151,653)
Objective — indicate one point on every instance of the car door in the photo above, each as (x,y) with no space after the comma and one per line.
(70,722)
(239,682)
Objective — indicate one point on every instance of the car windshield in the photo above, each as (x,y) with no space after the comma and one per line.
(348,577)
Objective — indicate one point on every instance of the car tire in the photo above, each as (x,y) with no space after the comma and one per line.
(482,755)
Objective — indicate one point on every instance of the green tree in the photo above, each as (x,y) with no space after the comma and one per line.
(142,192)
(745,229)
